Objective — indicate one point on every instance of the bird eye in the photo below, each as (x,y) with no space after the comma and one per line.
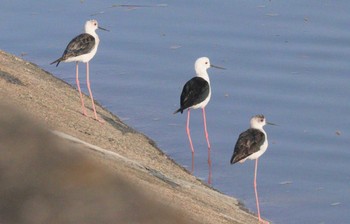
(262,120)
(206,62)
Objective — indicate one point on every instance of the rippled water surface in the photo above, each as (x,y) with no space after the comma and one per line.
(287,60)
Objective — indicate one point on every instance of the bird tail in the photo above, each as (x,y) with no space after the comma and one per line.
(57,61)
(233,159)
(178,110)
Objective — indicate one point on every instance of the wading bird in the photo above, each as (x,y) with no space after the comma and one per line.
(82,49)
(196,94)
(251,144)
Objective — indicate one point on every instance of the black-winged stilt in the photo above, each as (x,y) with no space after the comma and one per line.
(82,49)
(251,144)
(196,94)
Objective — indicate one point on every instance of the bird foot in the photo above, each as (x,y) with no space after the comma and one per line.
(99,120)
(263,221)
(95,118)
(84,113)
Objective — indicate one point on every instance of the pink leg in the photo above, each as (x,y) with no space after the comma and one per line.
(256,193)
(206,135)
(92,98)
(81,95)
(189,137)
(210,170)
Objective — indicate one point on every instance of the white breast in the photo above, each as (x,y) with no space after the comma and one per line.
(86,57)
(204,103)
(262,149)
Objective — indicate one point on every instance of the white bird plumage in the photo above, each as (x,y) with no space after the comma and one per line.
(90,28)
(196,93)
(251,144)
(83,48)
(201,65)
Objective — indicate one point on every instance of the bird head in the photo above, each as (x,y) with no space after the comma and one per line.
(259,121)
(202,64)
(92,25)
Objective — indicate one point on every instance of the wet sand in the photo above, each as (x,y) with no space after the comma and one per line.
(123,170)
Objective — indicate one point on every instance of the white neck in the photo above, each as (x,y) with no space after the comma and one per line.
(203,74)
(94,34)
(91,32)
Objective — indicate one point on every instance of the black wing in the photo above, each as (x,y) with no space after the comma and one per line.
(248,143)
(81,44)
(195,91)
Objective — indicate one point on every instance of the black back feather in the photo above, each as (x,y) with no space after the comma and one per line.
(248,143)
(81,44)
(195,91)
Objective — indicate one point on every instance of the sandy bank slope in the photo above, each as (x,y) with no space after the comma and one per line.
(116,151)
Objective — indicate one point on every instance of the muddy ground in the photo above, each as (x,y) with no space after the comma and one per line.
(121,168)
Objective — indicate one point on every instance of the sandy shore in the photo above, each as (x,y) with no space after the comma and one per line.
(119,153)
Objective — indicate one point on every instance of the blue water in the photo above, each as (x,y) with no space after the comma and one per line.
(287,60)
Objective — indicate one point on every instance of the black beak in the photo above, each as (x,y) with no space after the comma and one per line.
(214,66)
(269,123)
(101,28)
